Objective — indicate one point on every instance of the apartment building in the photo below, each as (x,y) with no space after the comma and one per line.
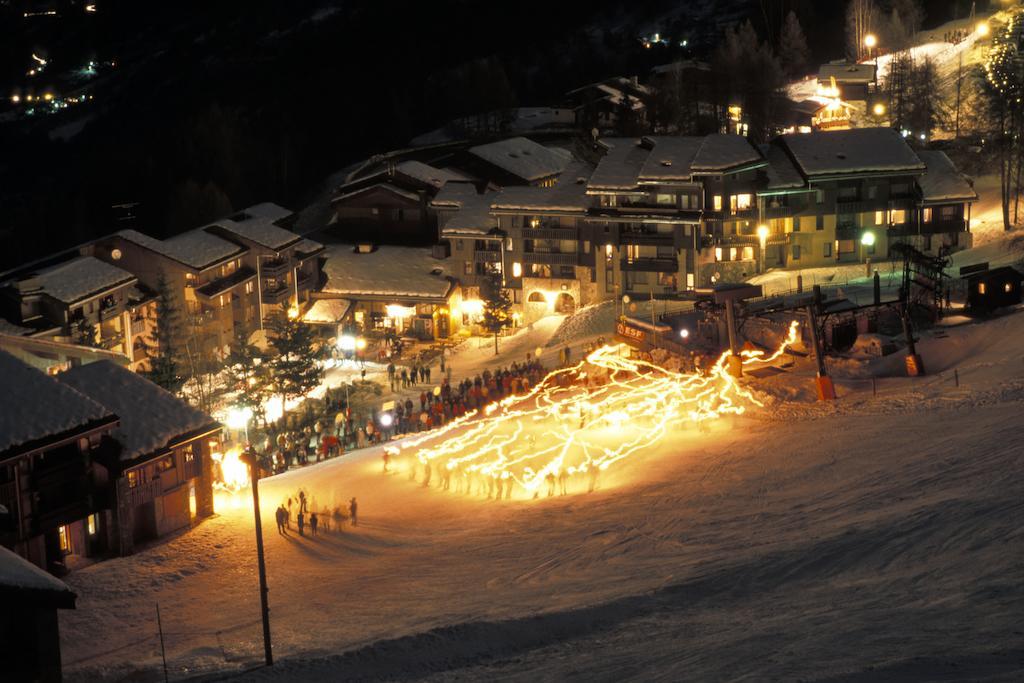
(81,300)
(662,215)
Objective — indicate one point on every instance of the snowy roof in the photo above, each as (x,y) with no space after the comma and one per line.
(9,328)
(568,194)
(18,574)
(388,271)
(782,174)
(196,248)
(681,65)
(859,150)
(454,195)
(473,216)
(620,166)
(846,72)
(667,158)
(941,181)
(259,224)
(41,407)
(523,157)
(308,246)
(327,311)
(81,278)
(151,417)
(387,187)
(427,174)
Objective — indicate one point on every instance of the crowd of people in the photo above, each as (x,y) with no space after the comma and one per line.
(307,516)
(494,485)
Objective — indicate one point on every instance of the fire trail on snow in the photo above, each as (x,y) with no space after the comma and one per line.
(590,415)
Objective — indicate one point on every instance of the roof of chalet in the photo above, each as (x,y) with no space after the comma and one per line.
(41,407)
(858,150)
(847,72)
(152,418)
(388,271)
(327,311)
(81,278)
(782,174)
(523,157)
(196,249)
(941,181)
(662,158)
(260,224)
(21,581)
(569,194)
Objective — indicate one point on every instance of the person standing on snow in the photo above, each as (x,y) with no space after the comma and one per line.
(302,523)
(550,479)
(313,521)
(426,474)
(563,477)
(592,472)
(386,457)
(353,507)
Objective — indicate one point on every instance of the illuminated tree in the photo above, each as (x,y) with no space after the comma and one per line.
(295,367)
(165,369)
(497,305)
(1004,98)
(247,372)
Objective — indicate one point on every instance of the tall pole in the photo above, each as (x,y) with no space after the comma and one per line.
(254,471)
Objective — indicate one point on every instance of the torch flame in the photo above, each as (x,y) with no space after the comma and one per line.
(590,416)
(230,473)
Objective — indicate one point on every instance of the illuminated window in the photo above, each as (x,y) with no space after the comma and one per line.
(665,199)
(717,202)
(748,253)
(249,287)
(690,281)
(718,253)
(981,288)
(92,523)
(1007,287)
(65,539)
(609,252)
(899,216)
(879,217)
(133,478)
(517,269)
(164,464)
(743,202)
(732,253)
(927,215)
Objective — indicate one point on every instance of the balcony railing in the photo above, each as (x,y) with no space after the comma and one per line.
(109,312)
(112,342)
(648,237)
(275,296)
(552,259)
(143,493)
(545,233)
(651,264)
(275,268)
(138,326)
(487,256)
(226,283)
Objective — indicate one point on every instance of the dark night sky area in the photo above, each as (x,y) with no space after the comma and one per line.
(217,105)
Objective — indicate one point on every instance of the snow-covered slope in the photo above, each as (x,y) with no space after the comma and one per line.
(876,539)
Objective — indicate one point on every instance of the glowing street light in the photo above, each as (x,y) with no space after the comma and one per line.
(238,418)
(684,333)
(870,40)
(868,239)
(346,342)
(386,420)
(878,109)
(982,29)
(762,239)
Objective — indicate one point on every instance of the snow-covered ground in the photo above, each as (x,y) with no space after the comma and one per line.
(876,538)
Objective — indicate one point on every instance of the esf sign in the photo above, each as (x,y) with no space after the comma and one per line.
(630,333)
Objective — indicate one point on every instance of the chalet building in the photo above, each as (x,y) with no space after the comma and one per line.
(287,265)
(81,300)
(601,105)
(227,277)
(390,203)
(162,480)
(95,460)
(516,161)
(943,216)
(855,81)
(406,289)
(29,630)
(55,450)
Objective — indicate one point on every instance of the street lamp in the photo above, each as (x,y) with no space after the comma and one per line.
(762,238)
(982,29)
(866,240)
(249,458)
(625,302)
(238,418)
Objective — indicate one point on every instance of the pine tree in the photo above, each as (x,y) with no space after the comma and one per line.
(497,305)
(164,368)
(247,373)
(1003,93)
(295,367)
(84,334)
(793,52)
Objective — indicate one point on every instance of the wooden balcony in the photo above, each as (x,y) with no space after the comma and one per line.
(278,295)
(651,264)
(545,233)
(551,259)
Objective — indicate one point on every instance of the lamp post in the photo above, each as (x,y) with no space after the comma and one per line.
(870,41)
(238,418)
(866,240)
(762,239)
(249,458)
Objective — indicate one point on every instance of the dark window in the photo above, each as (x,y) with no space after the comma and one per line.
(819,222)
(796,252)
(566,271)
(827,249)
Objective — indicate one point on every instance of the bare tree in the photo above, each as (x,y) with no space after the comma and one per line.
(861,16)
